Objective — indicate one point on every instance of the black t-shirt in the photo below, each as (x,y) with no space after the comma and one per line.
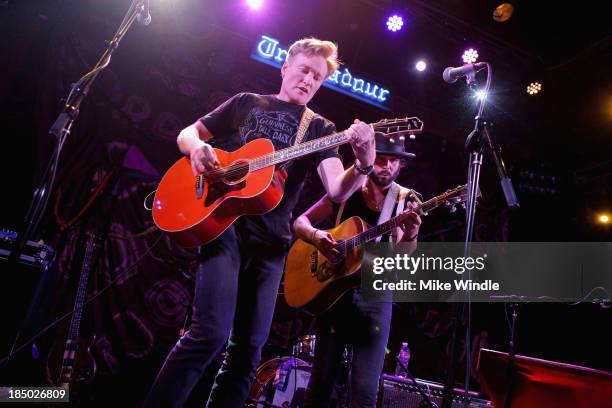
(246,117)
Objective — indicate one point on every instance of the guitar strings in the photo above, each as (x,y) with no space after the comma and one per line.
(364,237)
(234,170)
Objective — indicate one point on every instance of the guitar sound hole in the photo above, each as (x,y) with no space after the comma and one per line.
(236,171)
(231,180)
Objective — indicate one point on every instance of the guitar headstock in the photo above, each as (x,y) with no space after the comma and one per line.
(399,126)
(453,197)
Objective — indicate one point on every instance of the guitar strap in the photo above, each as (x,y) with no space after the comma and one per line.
(404,194)
(385,213)
(307,117)
(395,193)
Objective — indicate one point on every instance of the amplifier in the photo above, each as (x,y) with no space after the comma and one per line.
(25,293)
(33,253)
(399,392)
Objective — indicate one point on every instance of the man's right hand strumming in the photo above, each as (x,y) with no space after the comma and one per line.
(192,142)
(325,242)
(203,158)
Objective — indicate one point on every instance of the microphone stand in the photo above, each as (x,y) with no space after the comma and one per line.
(61,128)
(475,143)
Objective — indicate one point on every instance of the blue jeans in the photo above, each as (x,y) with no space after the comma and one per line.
(365,326)
(235,293)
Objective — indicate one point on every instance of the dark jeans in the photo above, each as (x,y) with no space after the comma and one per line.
(364,325)
(235,294)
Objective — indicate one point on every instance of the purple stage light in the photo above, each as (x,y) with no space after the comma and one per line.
(395,23)
(255,4)
(470,56)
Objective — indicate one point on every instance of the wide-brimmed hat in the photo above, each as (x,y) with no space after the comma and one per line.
(391,146)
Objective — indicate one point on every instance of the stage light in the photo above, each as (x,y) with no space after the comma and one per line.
(533,88)
(255,4)
(470,56)
(395,23)
(421,66)
(503,12)
(480,94)
(603,218)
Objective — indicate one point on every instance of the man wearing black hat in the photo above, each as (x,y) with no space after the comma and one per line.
(351,320)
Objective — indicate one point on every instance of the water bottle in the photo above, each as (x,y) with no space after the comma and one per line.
(404,357)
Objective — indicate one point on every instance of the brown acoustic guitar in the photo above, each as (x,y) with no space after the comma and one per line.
(197,209)
(314,283)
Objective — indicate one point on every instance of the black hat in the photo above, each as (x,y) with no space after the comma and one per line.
(392,146)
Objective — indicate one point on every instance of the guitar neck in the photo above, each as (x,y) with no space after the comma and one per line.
(380,229)
(82,289)
(391,127)
(299,150)
(75,323)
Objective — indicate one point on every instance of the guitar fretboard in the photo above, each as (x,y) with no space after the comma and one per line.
(451,198)
(65,375)
(380,229)
(299,150)
(398,126)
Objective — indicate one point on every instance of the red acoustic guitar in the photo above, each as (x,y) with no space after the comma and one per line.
(197,209)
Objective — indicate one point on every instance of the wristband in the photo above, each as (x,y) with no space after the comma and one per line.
(364,170)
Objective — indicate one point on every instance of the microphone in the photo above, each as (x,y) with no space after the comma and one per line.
(451,74)
(144,17)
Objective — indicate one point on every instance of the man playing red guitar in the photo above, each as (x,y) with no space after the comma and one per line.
(351,320)
(238,277)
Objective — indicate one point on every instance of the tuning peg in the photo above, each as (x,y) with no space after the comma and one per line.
(452,209)
(463,205)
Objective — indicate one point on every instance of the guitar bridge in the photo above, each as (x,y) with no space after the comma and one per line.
(314,257)
(199,185)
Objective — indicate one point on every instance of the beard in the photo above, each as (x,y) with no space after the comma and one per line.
(384,181)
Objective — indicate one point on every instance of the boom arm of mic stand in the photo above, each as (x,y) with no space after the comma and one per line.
(481,135)
(482,130)
(506,183)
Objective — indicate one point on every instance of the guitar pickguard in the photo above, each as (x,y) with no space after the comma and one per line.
(326,270)
(218,189)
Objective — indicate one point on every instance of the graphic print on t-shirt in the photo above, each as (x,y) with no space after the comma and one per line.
(279,126)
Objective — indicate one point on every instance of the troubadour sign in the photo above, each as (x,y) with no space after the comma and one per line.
(269,51)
